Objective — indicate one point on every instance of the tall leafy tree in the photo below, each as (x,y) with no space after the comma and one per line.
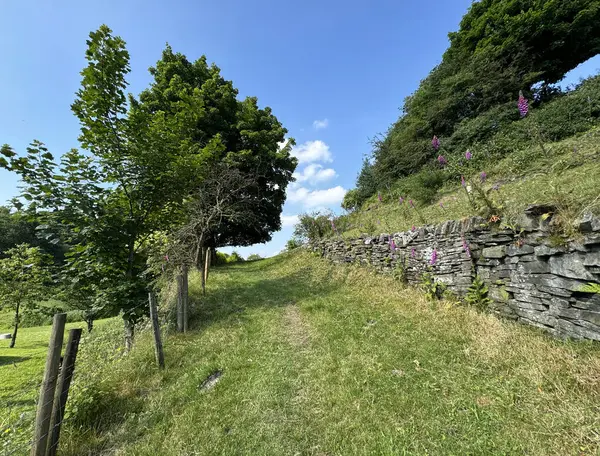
(24,277)
(242,135)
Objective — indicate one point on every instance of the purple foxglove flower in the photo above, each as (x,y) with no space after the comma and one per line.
(167,257)
(413,228)
(442,160)
(413,253)
(401,200)
(466,248)
(379,197)
(332,225)
(392,245)
(483,176)
(523,105)
(411,203)
(433,257)
(468,155)
(462,181)
(435,142)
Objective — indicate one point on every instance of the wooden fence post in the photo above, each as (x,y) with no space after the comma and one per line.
(62,389)
(158,348)
(44,408)
(185,297)
(180,302)
(207,265)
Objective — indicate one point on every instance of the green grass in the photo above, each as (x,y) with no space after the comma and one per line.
(569,176)
(320,359)
(21,371)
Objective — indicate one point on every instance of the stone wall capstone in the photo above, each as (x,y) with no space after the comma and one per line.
(529,279)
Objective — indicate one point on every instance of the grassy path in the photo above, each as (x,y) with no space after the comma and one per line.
(326,360)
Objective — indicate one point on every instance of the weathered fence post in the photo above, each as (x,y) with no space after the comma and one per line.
(180,302)
(46,400)
(185,297)
(158,348)
(207,265)
(62,389)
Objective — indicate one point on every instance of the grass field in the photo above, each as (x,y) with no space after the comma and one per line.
(318,359)
(21,371)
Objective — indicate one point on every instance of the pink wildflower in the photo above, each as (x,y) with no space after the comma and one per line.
(411,203)
(435,142)
(413,253)
(483,176)
(523,105)
(379,197)
(442,160)
(433,257)
(392,245)
(468,155)
(462,181)
(401,200)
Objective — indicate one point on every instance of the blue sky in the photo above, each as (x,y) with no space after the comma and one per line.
(334,72)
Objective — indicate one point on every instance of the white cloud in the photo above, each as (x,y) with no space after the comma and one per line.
(319,124)
(312,151)
(314,174)
(315,198)
(288,220)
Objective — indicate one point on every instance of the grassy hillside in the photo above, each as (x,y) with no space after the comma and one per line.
(321,359)
(567,175)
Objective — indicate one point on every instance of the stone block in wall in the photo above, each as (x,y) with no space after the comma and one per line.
(592,259)
(555,291)
(588,223)
(591,239)
(515,250)
(552,281)
(524,305)
(543,318)
(571,329)
(498,251)
(546,251)
(533,267)
(571,265)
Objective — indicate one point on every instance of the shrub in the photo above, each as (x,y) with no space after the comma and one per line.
(254,257)
(477,294)
(293,244)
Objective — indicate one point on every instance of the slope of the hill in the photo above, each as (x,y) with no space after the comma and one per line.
(566,175)
(322,359)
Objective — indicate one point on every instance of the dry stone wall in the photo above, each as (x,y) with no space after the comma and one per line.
(529,279)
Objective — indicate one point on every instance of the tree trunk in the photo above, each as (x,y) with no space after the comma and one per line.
(90,324)
(14,335)
(129,332)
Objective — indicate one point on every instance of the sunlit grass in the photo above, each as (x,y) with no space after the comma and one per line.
(322,359)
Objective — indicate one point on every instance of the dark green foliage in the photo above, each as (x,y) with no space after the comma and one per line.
(18,228)
(477,295)
(469,99)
